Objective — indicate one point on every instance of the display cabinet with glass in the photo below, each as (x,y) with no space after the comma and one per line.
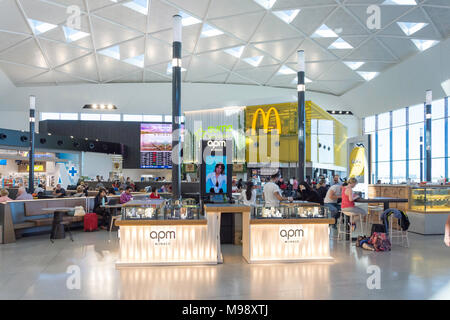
(291,211)
(164,211)
(430,199)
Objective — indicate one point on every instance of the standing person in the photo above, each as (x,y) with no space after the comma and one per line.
(23,195)
(348,202)
(322,189)
(331,201)
(294,184)
(59,191)
(272,192)
(248,196)
(240,184)
(4,195)
(99,201)
(337,180)
(126,196)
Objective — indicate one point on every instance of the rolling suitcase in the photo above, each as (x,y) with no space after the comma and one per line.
(90,222)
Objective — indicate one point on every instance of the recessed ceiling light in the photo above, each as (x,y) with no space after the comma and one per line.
(410,28)
(209,31)
(40,27)
(169,68)
(354,64)
(140,6)
(267,4)
(400,2)
(187,20)
(368,75)
(112,52)
(423,45)
(73,35)
(340,44)
(324,32)
(100,106)
(137,61)
(286,70)
(236,51)
(254,61)
(287,15)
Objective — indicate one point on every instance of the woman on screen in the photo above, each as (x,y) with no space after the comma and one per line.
(217,181)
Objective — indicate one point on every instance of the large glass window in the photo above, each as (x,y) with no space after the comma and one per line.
(49,116)
(384,172)
(369,124)
(399,117)
(414,170)
(398,171)
(384,145)
(69,116)
(398,143)
(416,114)
(438,109)
(437,169)
(415,132)
(384,121)
(438,138)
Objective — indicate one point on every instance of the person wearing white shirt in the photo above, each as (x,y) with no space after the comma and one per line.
(217,180)
(272,192)
(331,200)
(248,196)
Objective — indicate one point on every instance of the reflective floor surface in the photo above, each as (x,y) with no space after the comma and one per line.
(34,268)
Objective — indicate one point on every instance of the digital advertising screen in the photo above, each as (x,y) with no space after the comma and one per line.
(156,145)
(216,174)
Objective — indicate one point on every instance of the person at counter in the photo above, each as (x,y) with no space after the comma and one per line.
(154,194)
(348,202)
(322,189)
(126,195)
(272,192)
(337,180)
(331,201)
(99,201)
(248,196)
(59,191)
(4,195)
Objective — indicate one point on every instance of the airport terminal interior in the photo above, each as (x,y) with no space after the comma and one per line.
(224,150)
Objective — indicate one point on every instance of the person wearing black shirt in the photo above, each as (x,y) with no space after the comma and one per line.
(307,193)
(59,191)
(322,190)
(99,201)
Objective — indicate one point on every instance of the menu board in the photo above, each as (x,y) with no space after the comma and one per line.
(156,145)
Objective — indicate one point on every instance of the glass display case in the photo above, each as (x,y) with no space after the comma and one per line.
(291,211)
(160,210)
(430,199)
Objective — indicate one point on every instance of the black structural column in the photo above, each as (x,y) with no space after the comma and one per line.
(31,153)
(176,108)
(427,132)
(301,116)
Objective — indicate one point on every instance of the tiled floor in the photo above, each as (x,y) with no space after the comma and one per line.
(34,268)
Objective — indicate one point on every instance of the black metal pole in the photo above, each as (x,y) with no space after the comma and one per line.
(301,116)
(427,134)
(31,153)
(176,108)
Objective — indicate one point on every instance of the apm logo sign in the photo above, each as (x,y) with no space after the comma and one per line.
(216,145)
(162,236)
(291,233)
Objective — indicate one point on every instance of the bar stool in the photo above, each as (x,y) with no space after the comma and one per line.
(401,235)
(372,209)
(342,228)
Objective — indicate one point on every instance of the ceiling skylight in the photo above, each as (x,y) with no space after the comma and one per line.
(209,31)
(267,4)
(324,32)
(137,61)
(169,68)
(286,70)
(236,51)
(140,6)
(400,2)
(354,64)
(73,35)
(254,61)
(113,52)
(410,28)
(368,75)
(340,44)
(187,20)
(40,27)
(295,80)
(287,15)
(423,45)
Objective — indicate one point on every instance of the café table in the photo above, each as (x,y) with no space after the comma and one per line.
(384,200)
(58,231)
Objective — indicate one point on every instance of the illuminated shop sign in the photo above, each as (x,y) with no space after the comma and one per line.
(266,119)
(291,233)
(162,236)
(224,130)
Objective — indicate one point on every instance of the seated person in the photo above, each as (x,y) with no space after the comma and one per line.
(111,192)
(348,204)
(80,192)
(4,195)
(331,201)
(59,191)
(23,195)
(155,195)
(126,196)
(99,201)
(39,189)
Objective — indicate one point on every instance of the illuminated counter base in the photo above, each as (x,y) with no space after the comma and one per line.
(287,240)
(167,242)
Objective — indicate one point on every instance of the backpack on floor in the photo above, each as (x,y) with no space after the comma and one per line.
(380,242)
(378,228)
(90,222)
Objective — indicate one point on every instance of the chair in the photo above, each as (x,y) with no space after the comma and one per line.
(372,209)
(342,228)
(401,235)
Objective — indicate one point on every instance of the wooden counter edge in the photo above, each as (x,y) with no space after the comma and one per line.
(160,222)
(227,209)
(292,221)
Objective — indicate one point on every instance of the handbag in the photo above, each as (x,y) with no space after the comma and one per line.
(79,211)
(378,228)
